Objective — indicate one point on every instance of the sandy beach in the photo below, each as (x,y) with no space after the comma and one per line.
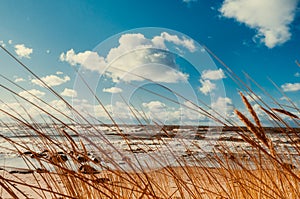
(164,183)
(169,182)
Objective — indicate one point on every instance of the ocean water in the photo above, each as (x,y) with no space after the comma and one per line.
(136,147)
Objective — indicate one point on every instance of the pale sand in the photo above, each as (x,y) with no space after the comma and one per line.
(28,184)
(206,182)
(162,179)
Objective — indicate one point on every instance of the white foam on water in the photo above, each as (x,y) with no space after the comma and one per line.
(137,149)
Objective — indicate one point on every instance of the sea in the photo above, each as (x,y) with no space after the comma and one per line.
(132,147)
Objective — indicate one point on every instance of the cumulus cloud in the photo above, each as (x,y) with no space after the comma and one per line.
(59,73)
(69,93)
(31,94)
(2,43)
(257,109)
(152,110)
(190,112)
(10,41)
(290,87)
(160,41)
(146,64)
(29,112)
(223,106)
(206,86)
(297,74)
(19,79)
(134,57)
(253,98)
(18,109)
(213,74)
(23,51)
(189,1)
(271,18)
(59,105)
(88,59)
(284,98)
(51,80)
(154,105)
(159,111)
(207,76)
(112,90)
(118,110)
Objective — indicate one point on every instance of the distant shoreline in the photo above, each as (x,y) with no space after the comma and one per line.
(166,127)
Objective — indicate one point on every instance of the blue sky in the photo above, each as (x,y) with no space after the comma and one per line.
(258,37)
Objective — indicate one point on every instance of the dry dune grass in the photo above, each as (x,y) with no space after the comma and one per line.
(173,182)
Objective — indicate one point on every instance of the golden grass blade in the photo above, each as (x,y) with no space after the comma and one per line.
(251,111)
(285,112)
(252,128)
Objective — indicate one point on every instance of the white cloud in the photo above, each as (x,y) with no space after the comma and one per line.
(48,51)
(128,43)
(18,108)
(51,80)
(297,74)
(291,87)
(146,64)
(190,112)
(29,94)
(213,74)
(86,109)
(88,59)
(23,51)
(207,76)
(187,43)
(257,109)
(271,18)
(189,1)
(2,43)
(118,110)
(59,105)
(59,73)
(10,41)
(207,86)
(29,112)
(202,50)
(152,110)
(284,98)
(69,93)
(134,57)
(154,105)
(112,90)
(223,106)
(19,79)
(253,98)
(159,111)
